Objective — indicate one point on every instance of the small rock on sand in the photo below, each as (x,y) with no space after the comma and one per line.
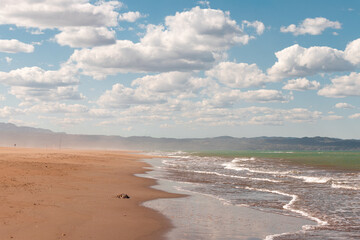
(122,196)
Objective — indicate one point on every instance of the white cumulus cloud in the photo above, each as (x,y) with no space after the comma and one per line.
(38,77)
(238,75)
(166,82)
(344,105)
(8,59)
(332,117)
(15,46)
(56,107)
(122,97)
(301,84)
(264,96)
(355,116)
(82,24)
(190,40)
(297,61)
(312,26)
(7,111)
(352,52)
(32,94)
(44,14)
(85,36)
(225,98)
(36,84)
(259,26)
(344,86)
(131,16)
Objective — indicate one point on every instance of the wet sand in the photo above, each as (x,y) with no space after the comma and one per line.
(71,194)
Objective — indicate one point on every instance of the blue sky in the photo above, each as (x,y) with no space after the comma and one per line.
(182,68)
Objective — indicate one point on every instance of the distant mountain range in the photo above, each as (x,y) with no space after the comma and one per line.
(11,135)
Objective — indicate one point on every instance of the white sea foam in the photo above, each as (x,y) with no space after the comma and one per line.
(233,166)
(309,179)
(343,186)
(233,176)
(236,160)
(271,237)
(169,163)
(288,206)
(179,156)
(222,200)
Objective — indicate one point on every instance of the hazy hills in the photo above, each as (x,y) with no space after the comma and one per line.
(11,134)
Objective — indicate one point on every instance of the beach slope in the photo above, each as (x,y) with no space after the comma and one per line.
(71,194)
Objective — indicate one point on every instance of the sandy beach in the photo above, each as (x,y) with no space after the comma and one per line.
(71,194)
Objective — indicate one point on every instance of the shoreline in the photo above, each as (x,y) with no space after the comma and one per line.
(48,194)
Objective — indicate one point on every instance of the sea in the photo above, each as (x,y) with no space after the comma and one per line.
(327,196)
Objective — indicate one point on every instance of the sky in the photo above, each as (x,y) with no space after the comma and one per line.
(183,69)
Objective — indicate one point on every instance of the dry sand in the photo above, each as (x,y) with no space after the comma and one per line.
(71,194)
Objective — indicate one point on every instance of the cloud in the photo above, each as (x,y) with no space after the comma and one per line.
(71,121)
(56,108)
(184,43)
(301,115)
(31,94)
(254,116)
(15,46)
(36,84)
(153,89)
(8,59)
(344,86)
(259,26)
(223,99)
(355,116)
(352,52)
(301,84)
(264,96)
(38,77)
(36,32)
(226,98)
(131,16)
(312,26)
(122,97)
(202,113)
(83,37)
(238,75)
(101,113)
(204,3)
(332,117)
(178,82)
(82,24)
(344,105)
(45,14)
(7,111)
(297,61)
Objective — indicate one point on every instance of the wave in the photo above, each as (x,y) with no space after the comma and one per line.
(233,176)
(236,160)
(233,166)
(308,179)
(271,237)
(179,156)
(222,200)
(289,207)
(343,186)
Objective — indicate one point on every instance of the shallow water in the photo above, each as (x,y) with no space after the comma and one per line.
(330,197)
(206,217)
